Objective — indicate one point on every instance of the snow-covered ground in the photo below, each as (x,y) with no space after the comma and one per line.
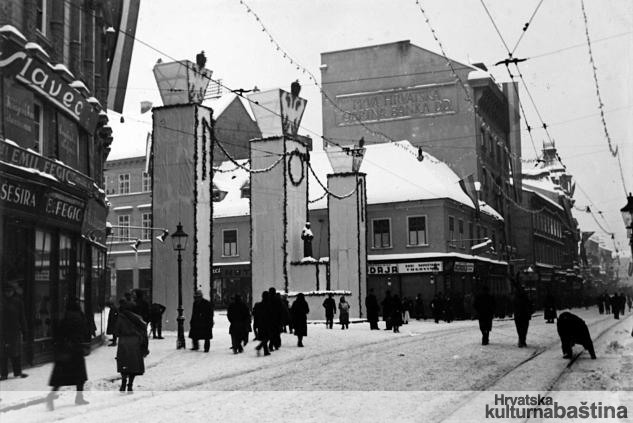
(427,372)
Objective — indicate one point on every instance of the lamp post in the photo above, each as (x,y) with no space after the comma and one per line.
(179,242)
(627,216)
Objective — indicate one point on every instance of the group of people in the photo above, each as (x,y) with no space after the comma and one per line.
(329,304)
(615,304)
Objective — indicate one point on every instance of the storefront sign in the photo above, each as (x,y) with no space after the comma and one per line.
(383,269)
(18,113)
(18,195)
(464,267)
(67,141)
(64,208)
(422,267)
(18,156)
(40,77)
(237,271)
(397,104)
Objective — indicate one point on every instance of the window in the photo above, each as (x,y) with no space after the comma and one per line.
(229,242)
(451,231)
(124,183)
(147,224)
(124,230)
(460,232)
(42,285)
(40,16)
(382,235)
(471,233)
(38,125)
(417,230)
(147,182)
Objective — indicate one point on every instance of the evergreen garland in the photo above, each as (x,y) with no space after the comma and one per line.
(285,218)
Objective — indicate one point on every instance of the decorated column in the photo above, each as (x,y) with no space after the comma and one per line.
(182,186)
(348,226)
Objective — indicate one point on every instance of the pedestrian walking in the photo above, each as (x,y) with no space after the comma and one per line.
(133,345)
(615,306)
(396,313)
(286,321)
(343,315)
(437,307)
(607,302)
(141,307)
(387,310)
(629,302)
(448,309)
(13,327)
(299,315)
(112,316)
(201,323)
(419,308)
(484,305)
(522,315)
(239,318)
(276,316)
(406,306)
(549,306)
(600,304)
(330,310)
(373,309)
(261,323)
(156,311)
(70,340)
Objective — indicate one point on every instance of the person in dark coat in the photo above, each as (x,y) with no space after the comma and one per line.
(373,309)
(112,316)
(201,323)
(343,307)
(600,304)
(485,307)
(133,345)
(549,306)
(522,314)
(299,315)
(70,366)
(156,320)
(276,317)
(286,321)
(396,314)
(448,309)
(615,306)
(261,323)
(330,310)
(387,310)
(141,307)
(437,307)
(419,308)
(240,319)
(573,330)
(607,302)
(13,327)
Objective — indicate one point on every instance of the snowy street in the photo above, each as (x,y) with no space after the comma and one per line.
(430,371)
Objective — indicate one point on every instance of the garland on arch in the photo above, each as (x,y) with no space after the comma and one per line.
(303,157)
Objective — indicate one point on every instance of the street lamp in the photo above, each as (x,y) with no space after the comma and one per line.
(179,242)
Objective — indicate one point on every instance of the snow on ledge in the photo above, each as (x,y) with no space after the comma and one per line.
(36,47)
(78,85)
(317,293)
(61,68)
(13,30)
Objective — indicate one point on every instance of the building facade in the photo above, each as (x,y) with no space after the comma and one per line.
(54,140)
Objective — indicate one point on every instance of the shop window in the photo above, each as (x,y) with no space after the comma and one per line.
(451,231)
(124,183)
(124,227)
(147,224)
(38,125)
(229,243)
(40,16)
(471,233)
(460,233)
(42,285)
(67,261)
(147,182)
(417,230)
(382,233)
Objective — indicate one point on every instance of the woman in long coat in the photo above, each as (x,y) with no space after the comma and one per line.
(112,316)
(133,345)
(201,323)
(240,319)
(343,316)
(396,313)
(299,314)
(70,366)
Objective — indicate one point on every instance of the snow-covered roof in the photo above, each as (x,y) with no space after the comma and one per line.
(543,185)
(220,104)
(487,209)
(129,137)
(544,197)
(393,175)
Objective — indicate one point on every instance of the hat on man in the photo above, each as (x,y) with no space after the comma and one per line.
(198,293)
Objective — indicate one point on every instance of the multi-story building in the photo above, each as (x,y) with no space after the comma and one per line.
(57,61)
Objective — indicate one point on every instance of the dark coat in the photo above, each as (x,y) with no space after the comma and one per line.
(344,313)
(522,307)
(156,312)
(261,320)
(70,366)
(573,330)
(387,307)
(13,324)
(112,316)
(299,315)
(141,307)
(549,308)
(396,312)
(484,305)
(373,309)
(330,307)
(240,318)
(201,319)
(133,343)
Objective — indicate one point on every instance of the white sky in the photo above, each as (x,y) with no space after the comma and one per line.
(561,83)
